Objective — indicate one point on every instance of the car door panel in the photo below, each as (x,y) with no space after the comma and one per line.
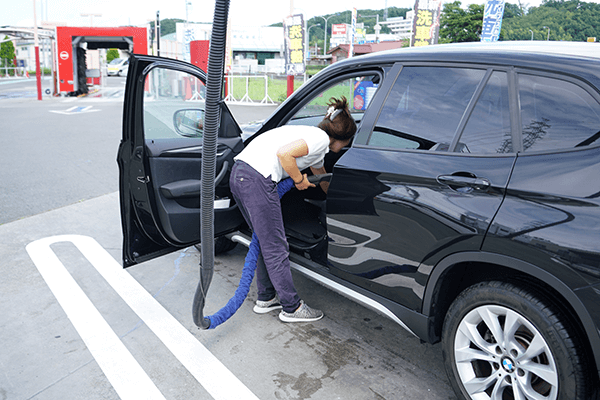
(160,159)
(176,188)
(404,196)
(391,219)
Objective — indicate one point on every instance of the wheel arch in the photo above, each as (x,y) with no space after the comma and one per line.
(458,271)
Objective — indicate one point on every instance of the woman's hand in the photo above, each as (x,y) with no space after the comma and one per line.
(304,183)
(319,171)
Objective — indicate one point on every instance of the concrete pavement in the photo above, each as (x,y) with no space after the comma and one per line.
(76,326)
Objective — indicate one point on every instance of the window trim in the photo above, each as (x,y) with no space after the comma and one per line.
(469,110)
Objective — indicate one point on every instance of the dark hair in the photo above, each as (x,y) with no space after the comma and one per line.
(343,126)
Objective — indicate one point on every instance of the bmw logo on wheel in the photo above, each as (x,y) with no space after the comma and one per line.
(508,365)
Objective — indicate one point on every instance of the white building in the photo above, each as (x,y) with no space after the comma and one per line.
(401,27)
(260,43)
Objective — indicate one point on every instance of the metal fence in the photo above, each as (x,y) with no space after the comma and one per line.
(7,70)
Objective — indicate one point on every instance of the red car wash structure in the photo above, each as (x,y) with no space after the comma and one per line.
(71,55)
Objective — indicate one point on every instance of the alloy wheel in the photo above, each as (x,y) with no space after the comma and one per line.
(500,355)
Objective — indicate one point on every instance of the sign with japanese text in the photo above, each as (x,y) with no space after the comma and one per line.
(492,20)
(352,33)
(293,31)
(228,51)
(338,29)
(426,24)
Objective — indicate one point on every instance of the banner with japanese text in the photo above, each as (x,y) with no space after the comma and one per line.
(228,50)
(492,20)
(293,31)
(352,33)
(426,24)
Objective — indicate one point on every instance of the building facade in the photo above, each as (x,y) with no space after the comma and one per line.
(401,27)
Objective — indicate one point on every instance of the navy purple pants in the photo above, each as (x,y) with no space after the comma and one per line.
(257,198)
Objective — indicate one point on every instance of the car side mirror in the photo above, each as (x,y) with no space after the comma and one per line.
(189,122)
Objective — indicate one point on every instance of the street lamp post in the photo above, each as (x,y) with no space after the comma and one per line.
(531,34)
(325,40)
(376,28)
(308,37)
(548,37)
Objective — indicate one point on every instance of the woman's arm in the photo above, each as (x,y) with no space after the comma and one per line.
(287,155)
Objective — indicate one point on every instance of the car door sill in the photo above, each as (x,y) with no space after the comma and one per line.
(331,282)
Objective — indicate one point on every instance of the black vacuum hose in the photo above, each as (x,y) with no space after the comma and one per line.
(212,117)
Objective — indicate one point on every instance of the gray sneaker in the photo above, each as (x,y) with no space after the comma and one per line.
(263,307)
(303,314)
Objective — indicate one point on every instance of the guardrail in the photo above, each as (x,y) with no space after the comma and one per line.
(12,72)
(232,89)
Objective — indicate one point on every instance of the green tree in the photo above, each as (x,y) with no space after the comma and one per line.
(167,26)
(345,17)
(460,25)
(111,54)
(561,19)
(7,52)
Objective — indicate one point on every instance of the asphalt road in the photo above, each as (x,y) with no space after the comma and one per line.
(61,151)
(76,326)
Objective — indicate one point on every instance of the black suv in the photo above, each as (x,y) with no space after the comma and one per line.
(467,208)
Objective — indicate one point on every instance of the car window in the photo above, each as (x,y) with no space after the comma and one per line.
(488,128)
(173,105)
(424,107)
(556,114)
(358,90)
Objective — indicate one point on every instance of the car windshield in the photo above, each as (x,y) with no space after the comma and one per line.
(116,61)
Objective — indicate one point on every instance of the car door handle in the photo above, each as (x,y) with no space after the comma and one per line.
(464,180)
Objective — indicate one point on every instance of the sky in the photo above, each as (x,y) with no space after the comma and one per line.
(138,12)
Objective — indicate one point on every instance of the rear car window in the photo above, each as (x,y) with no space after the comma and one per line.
(424,107)
(556,114)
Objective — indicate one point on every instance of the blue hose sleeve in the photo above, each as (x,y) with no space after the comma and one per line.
(247,273)
(243,288)
(284,186)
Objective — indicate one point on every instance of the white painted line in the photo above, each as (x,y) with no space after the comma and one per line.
(122,370)
(197,359)
(75,110)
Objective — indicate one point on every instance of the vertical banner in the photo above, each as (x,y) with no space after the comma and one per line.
(352,34)
(492,20)
(426,24)
(293,31)
(228,50)
(188,36)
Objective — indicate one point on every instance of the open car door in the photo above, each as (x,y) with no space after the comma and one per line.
(160,159)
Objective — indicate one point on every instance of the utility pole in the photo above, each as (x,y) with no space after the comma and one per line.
(38,76)
(385,13)
(91,15)
(157,25)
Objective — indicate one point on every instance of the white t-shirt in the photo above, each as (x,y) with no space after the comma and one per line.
(261,153)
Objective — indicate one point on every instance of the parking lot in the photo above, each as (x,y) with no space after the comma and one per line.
(75,325)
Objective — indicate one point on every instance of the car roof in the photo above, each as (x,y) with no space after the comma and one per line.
(576,49)
(579,58)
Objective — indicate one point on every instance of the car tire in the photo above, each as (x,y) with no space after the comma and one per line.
(481,367)
(222,245)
